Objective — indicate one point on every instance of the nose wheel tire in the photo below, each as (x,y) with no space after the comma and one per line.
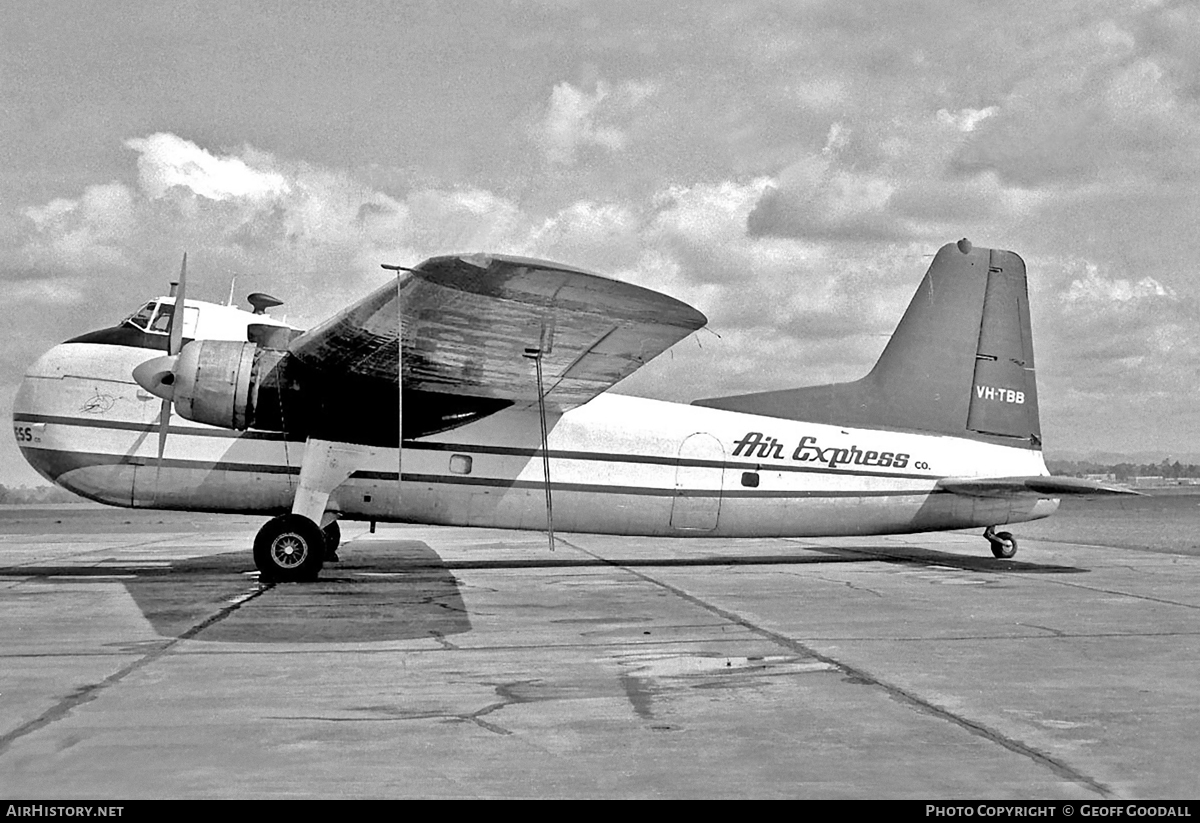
(289,548)
(1004,545)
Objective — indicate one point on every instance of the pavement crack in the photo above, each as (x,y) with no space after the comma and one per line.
(88,693)
(850,585)
(477,718)
(443,642)
(861,676)
(1131,595)
(1054,632)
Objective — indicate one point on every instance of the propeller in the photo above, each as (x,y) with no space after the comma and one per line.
(157,375)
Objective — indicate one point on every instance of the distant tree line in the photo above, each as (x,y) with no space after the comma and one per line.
(37,494)
(1125,471)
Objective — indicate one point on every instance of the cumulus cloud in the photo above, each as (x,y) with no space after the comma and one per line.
(316,236)
(43,292)
(965,119)
(1093,289)
(1111,347)
(817,197)
(1090,101)
(575,120)
(166,160)
(86,231)
(318,233)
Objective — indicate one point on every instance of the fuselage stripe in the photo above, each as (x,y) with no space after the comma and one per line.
(81,460)
(477,449)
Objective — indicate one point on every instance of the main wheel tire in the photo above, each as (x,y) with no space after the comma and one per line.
(1004,546)
(289,548)
(333,538)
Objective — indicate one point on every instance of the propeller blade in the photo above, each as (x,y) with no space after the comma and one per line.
(157,376)
(164,417)
(175,326)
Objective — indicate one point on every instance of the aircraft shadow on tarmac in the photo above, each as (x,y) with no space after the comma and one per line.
(920,556)
(395,590)
(388,590)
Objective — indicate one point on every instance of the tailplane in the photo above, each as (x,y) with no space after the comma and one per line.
(959,363)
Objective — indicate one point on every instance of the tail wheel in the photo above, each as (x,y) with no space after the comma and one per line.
(289,548)
(1004,545)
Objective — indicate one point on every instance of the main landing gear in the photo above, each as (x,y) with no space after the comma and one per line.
(292,548)
(1004,545)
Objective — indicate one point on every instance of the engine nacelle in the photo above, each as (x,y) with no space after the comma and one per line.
(217,382)
(251,385)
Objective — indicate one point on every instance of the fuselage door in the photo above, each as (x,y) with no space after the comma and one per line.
(696,505)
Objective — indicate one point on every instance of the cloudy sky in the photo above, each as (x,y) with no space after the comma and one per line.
(788,168)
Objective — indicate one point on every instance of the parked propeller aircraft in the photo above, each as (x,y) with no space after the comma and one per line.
(502,413)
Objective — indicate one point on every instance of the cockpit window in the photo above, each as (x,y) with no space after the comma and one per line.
(147,319)
(162,320)
(141,317)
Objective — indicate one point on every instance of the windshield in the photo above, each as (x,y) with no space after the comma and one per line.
(141,318)
(148,319)
(162,320)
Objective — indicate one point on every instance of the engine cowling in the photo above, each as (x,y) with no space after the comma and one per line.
(218,382)
(241,386)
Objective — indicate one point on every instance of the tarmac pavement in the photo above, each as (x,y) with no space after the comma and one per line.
(143,659)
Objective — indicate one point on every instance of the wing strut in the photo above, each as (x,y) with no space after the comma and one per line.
(400,397)
(535,354)
(399,382)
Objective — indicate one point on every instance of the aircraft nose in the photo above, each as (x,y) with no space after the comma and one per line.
(78,417)
(32,410)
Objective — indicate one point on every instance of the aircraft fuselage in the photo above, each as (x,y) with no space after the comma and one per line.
(618,465)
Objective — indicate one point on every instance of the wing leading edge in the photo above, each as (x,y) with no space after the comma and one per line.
(469,320)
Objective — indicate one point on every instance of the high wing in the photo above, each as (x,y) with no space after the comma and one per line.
(1030,486)
(470,323)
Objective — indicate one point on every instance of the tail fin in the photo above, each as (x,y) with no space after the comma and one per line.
(959,363)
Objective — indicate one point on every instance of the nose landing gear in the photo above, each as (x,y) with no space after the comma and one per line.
(1004,545)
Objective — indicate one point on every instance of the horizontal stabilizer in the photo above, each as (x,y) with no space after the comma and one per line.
(1031,486)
